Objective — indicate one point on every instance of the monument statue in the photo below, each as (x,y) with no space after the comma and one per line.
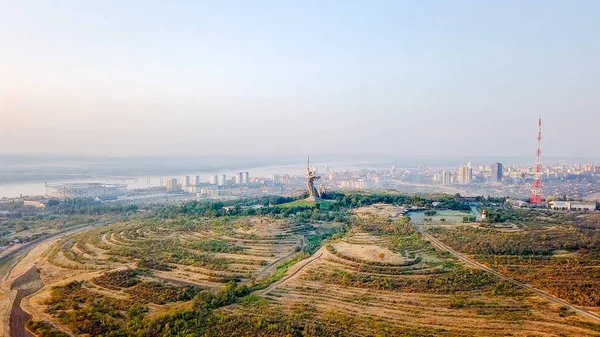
(311,176)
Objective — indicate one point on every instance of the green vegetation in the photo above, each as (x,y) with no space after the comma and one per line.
(280,272)
(43,329)
(161,292)
(531,242)
(225,249)
(299,204)
(216,246)
(118,279)
(555,252)
(458,280)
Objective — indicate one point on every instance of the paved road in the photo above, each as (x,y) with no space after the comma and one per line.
(476,264)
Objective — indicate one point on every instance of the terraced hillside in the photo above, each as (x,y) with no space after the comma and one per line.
(355,288)
(372,275)
(204,252)
(157,264)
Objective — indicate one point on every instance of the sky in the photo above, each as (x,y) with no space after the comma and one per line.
(123,78)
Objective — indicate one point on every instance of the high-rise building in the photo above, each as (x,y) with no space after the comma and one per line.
(245,177)
(497,173)
(197,181)
(187,181)
(465,174)
(238,178)
(446,178)
(172,185)
(276,178)
(222,180)
(214,180)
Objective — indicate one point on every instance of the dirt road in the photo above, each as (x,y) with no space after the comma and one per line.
(295,270)
(476,264)
(269,269)
(14,257)
(25,285)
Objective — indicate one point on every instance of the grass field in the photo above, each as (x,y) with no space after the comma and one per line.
(299,203)
(449,216)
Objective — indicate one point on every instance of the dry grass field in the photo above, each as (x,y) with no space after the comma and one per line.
(253,276)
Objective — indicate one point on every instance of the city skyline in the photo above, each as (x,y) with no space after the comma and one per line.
(272,79)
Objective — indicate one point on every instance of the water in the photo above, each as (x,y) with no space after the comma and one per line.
(28,177)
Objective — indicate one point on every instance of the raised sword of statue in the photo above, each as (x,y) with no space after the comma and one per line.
(310,182)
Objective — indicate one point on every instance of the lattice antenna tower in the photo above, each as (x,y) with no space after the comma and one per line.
(537,196)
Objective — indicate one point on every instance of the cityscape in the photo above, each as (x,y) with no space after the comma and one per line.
(561,182)
(299,168)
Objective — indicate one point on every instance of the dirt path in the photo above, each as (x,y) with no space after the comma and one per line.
(16,255)
(21,262)
(267,270)
(295,270)
(478,265)
(25,285)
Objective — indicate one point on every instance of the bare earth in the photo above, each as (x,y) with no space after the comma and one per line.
(369,253)
(381,210)
(21,268)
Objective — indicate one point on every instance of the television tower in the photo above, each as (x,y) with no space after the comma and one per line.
(537,197)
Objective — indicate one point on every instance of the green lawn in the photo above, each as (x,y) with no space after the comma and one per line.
(299,203)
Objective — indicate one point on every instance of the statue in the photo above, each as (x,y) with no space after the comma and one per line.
(311,176)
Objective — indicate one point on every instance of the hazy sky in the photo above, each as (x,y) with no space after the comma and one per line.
(298,77)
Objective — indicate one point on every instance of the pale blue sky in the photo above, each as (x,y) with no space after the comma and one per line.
(283,77)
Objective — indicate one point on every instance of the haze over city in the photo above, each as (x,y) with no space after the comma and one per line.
(299,168)
(274,78)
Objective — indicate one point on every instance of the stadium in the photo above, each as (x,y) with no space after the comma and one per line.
(85,190)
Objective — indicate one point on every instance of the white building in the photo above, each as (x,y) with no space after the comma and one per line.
(580,206)
(245,177)
(446,178)
(275,178)
(465,175)
(172,185)
(222,180)
(238,178)
(214,180)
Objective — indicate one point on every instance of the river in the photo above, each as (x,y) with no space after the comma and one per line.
(35,188)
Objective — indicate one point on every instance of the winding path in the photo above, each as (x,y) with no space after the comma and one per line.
(298,268)
(266,271)
(25,285)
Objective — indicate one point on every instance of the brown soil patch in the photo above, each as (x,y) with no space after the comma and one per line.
(369,253)
(383,210)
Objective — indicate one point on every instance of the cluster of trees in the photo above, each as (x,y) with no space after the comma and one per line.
(161,292)
(469,218)
(43,329)
(151,264)
(170,251)
(216,246)
(86,312)
(532,242)
(458,280)
(118,279)
(575,279)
